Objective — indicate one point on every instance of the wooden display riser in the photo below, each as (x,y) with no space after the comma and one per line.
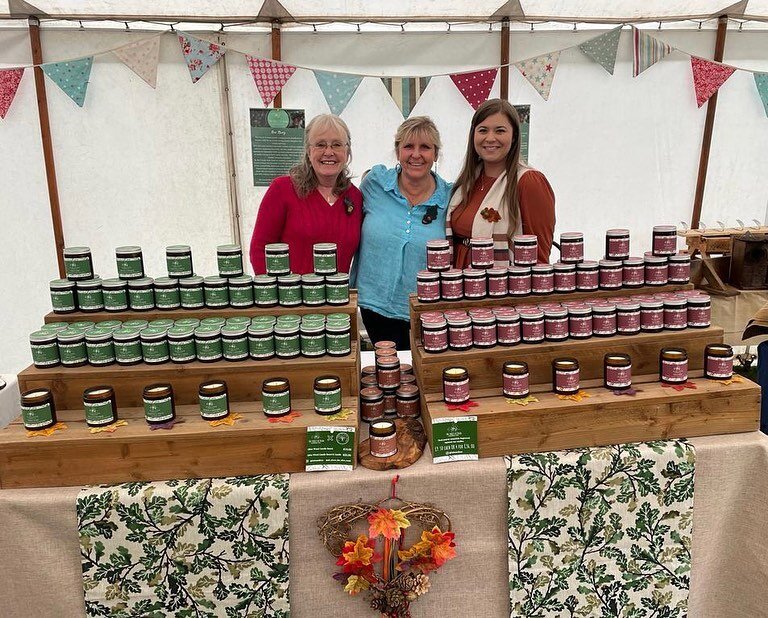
(417,308)
(243,378)
(192,449)
(655,413)
(178,314)
(485,366)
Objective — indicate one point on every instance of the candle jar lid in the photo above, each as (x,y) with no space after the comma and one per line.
(382,428)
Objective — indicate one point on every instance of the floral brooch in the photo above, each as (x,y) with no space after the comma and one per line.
(490,214)
(349,205)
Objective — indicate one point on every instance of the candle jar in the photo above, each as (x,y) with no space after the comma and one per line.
(178,261)
(519,280)
(679,270)
(327,395)
(99,347)
(277,259)
(628,318)
(276,397)
(130,263)
(610,275)
(324,258)
(699,311)
(633,272)
(718,361)
(230,260)
(337,289)
(484,331)
(452,284)
(371,404)
(571,247)
(475,286)
(265,290)
(261,341)
(438,256)
(115,294)
(390,402)
(181,344)
(191,292)
(388,372)
(481,253)
(542,279)
(580,322)
(154,346)
(216,292)
(63,296)
(497,282)
(234,342)
(338,337)
(90,296)
(289,290)
(45,349)
(565,376)
(434,335)
(617,371)
(78,263)
(127,344)
(428,286)
(455,385)
(159,406)
(664,240)
(208,343)
(673,366)
(532,326)
(312,339)
(100,406)
(167,294)
(656,270)
(556,324)
(37,409)
(508,328)
(525,249)
(564,277)
(287,340)
(604,320)
(515,380)
(408,401)
(587,276)
(616,244)
(241,291)
(651,316)
(383,438)
(675,313)
(459,333)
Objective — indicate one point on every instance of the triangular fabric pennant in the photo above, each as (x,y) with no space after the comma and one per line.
(708,77)
(602,49)
(647,51)
(71,76)
(761,81)
(475,86)
(9,84)
(200,55)
(272,9)
(512,8)
(269,76)
(20,8)
(405,91)
(142,58)
(540,71)
(337,88)
(734,10)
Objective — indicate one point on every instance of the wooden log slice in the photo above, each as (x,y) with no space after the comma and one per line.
(410,445)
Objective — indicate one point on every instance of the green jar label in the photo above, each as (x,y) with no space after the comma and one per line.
(261,347)
(141,299)
(45,354)
(287,345)
(130,267)
(230,265)
(241,296)
(179,266)
(289,295)
(213,407)
(192,298)
(338,343)
(182,351)
(158,410)
(100,353)
(216,297)
(235,349)
(155,351)
(328,402)
(127,351)
(278,264)
(78,267)
(208,349)
(313,345)
(100,413)
(167,298)
(37,416)
(337,293)
(115,300)
(72,353)
(276,403)
(90,300)
(63,300)
(266,294)
(313,294)
(325,263)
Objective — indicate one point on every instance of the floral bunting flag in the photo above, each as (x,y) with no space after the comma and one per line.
(71,76)
(405,91)
(647,51)
(761,81)
(199,55)
(475,86)
(708,77)
(142,58)
(602,49)
(540,71)
(9,84)
(269,76)
(337,88)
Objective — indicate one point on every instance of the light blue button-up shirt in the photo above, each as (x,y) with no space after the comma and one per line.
(393,241)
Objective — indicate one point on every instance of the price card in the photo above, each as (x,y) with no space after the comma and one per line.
(330,448)
(454,439)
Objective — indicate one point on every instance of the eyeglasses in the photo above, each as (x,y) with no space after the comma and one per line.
(323,146)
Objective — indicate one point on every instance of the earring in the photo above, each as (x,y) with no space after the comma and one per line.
(398,168)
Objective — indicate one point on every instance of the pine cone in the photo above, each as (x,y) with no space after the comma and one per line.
(422,584)
(396,599)
(378,604)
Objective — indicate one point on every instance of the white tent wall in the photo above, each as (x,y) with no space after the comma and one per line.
(143,166)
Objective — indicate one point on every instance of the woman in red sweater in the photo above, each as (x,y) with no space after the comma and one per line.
(316,203)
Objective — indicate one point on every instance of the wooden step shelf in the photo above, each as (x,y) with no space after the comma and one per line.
(485,365)
(655,413)
(192,449)
(243,378)
(417,308)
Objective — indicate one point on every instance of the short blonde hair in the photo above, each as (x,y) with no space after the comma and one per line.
(418,124)
(303,174)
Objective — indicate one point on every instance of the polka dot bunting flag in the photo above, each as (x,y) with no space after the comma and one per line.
(199,55)
(540,71)
(71,76)
(9,84)
(142,57)
(602,49)
(337,88)
(475,86)
(269,76)
(708,77)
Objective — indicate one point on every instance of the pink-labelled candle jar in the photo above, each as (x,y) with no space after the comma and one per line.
(564,277)
(515,380)
(532,326)
(580,322)
(497,282)
(679,271)
(664,240)
(525,248)
(484,331)
(699,311)
(633,272)
(519,280)
(718,361)
(481,253)
(438,255)
(610,274)
(508,328)
(617,371)
(616,244)
(460,333)
(434,335)
(556,324)
(587,276)
(542,279)
(675,313)
(427,286)
(571,247)
(475,284)
(656,270)
(455,385)
(628,317)
(565,376)
(651,316)
(673,366)
(452,284)
(604,320)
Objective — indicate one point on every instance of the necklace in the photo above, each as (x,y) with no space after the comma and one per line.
(329,197)
(415,199)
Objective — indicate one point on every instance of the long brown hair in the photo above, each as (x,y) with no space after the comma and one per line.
(473,164)
(303,174)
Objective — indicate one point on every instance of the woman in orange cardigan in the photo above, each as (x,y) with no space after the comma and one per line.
(496,196)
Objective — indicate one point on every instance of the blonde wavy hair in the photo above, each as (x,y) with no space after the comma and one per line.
(422,125)
(303,174)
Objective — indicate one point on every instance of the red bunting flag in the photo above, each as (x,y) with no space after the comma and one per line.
(708,77)
(475,86)
(9,84)
(269,76)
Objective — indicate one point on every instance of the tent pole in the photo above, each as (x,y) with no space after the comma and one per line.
(504,85)
(277,54)
(722,27)
(45,134)
(229,147)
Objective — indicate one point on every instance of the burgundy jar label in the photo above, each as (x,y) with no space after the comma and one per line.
(408,408)
(532,331)
(610,278)
(634,275)
(618,377)
(674,371)
(651,319)
(719,367)
(604,324)
(481,257)
(371,410)
(566,381)
(699,316)
(675,318)
(474,288)
(484,334)
(460,337)
(664,245)
(571,251)
(508,332)
(618,248)
(586,280)
(383,446)
(515,386)
(543,283)
(438,259)
(428,290)
(525,255)
(435,340)
(390,404)
(456,392)
(519,285)
(628,322)
(452,290)
(656,275)
(388,378)
(679,272)
(497,286)
(580,325)
(556,328)
(565,282)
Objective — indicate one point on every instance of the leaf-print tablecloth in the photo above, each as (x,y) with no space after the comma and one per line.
(211,547)
(601,531)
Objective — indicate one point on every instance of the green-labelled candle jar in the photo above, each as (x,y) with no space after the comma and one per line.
(110,325)
(115,292)
(214,400)
(191,292)
(78,263)
(135,324)
(324,257)
(178,260)
(72,350)
(287,341)
(54,327)
(265,290)
(276,397)
(208,343)
(63,296)
(277,259)
(37,409)
(167,295)
(90,297)
(159,407)
(218,321)
(338,339)
(337,289)
(289,290)
(327,395)
(312,340)
(130,262)
(165,323)
(100,406)
(261,341)
(181,344)
(127,346)
(234,342)
(82,325)
(216,293)
(193,322)
(99,347)
(45,349)
(313,290)
(141,294)
(230,260)
(238,320)
(154,346)
(241,291)
(288,320)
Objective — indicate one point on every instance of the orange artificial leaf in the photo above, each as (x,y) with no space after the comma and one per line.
(358,553)
(356,584)
(387,523)
(442,545)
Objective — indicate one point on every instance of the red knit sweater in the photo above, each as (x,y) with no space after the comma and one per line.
(284,217)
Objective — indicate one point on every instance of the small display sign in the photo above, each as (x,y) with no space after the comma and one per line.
(330,448)
(454,439)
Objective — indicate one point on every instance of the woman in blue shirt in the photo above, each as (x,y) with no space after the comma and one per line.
(403,208)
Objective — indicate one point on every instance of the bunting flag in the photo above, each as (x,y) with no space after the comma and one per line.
(9,84)
(647,51)
(540,71)
(761,81)
(602,49)
(337,88)
(475,86)
(708,77)
(405,91)
(199,55)
(142,58)
(71,76)
(269,76)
